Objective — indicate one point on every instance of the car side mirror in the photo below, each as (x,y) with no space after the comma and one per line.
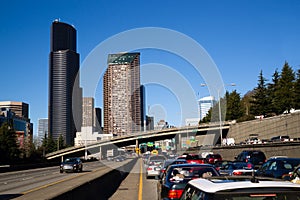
(286,177)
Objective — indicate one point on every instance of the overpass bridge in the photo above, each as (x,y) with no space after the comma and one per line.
(212,129)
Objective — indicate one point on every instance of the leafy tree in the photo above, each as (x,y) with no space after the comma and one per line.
(246,102)
(297,91)
(246,107)
(285,93)
(9,149)
(261,102)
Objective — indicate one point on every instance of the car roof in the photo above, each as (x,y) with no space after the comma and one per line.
(283,158)
(214,185)
(191,165)
(252,151)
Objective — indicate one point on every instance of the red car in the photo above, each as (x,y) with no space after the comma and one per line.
(194,159)
(212,158)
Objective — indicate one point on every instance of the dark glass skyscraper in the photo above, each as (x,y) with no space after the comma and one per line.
(65,96)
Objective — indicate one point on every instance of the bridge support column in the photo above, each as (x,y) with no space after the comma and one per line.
(137,146)
(179,142)
(100,153)
(62,158)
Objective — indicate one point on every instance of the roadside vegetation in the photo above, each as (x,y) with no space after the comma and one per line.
(278,96)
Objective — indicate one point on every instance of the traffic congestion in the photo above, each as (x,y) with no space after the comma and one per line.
(250,175)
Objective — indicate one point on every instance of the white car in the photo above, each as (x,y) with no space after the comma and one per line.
(153,168)
(240,189)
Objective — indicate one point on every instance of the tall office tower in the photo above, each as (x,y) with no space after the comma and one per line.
(143,107)
(65,96)
(121,90)
(42,130)
(87,112)
(205,104)
(19,108)
(98,120)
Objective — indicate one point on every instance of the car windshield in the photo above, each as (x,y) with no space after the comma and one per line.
(69,160)
(192,157)
(156,162)
(238,166)
(179,173)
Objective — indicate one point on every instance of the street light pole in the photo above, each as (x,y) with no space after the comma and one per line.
(219,108)
(220,117)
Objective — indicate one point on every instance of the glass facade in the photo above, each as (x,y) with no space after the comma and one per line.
(65,96)
(205,104)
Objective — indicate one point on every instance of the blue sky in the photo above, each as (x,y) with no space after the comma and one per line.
(242,38)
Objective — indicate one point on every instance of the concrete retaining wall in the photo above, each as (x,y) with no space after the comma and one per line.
(267,128)
(290,149)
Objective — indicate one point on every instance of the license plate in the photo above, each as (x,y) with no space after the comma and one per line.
(68,167)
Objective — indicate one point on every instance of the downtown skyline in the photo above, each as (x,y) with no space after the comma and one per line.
(241,37)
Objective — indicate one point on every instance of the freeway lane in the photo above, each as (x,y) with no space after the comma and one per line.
(14,184)
(136,186)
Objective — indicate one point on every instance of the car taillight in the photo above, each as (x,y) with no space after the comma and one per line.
(237,173)
(249,165)
(174,194)
(149,168)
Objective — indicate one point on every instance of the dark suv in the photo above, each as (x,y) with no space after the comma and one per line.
(254,157)
(278,167)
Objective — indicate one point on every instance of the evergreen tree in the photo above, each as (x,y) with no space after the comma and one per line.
(60,144)
(297,91)
(272,89)
(207,118)
(285,93)
(9,149)
(51,145)
(213,113)
(234,106)
(261,102)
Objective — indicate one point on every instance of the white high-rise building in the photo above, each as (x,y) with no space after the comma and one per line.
(205,104)
(42,130)
(89,134)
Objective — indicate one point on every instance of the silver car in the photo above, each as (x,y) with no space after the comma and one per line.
(153,168)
